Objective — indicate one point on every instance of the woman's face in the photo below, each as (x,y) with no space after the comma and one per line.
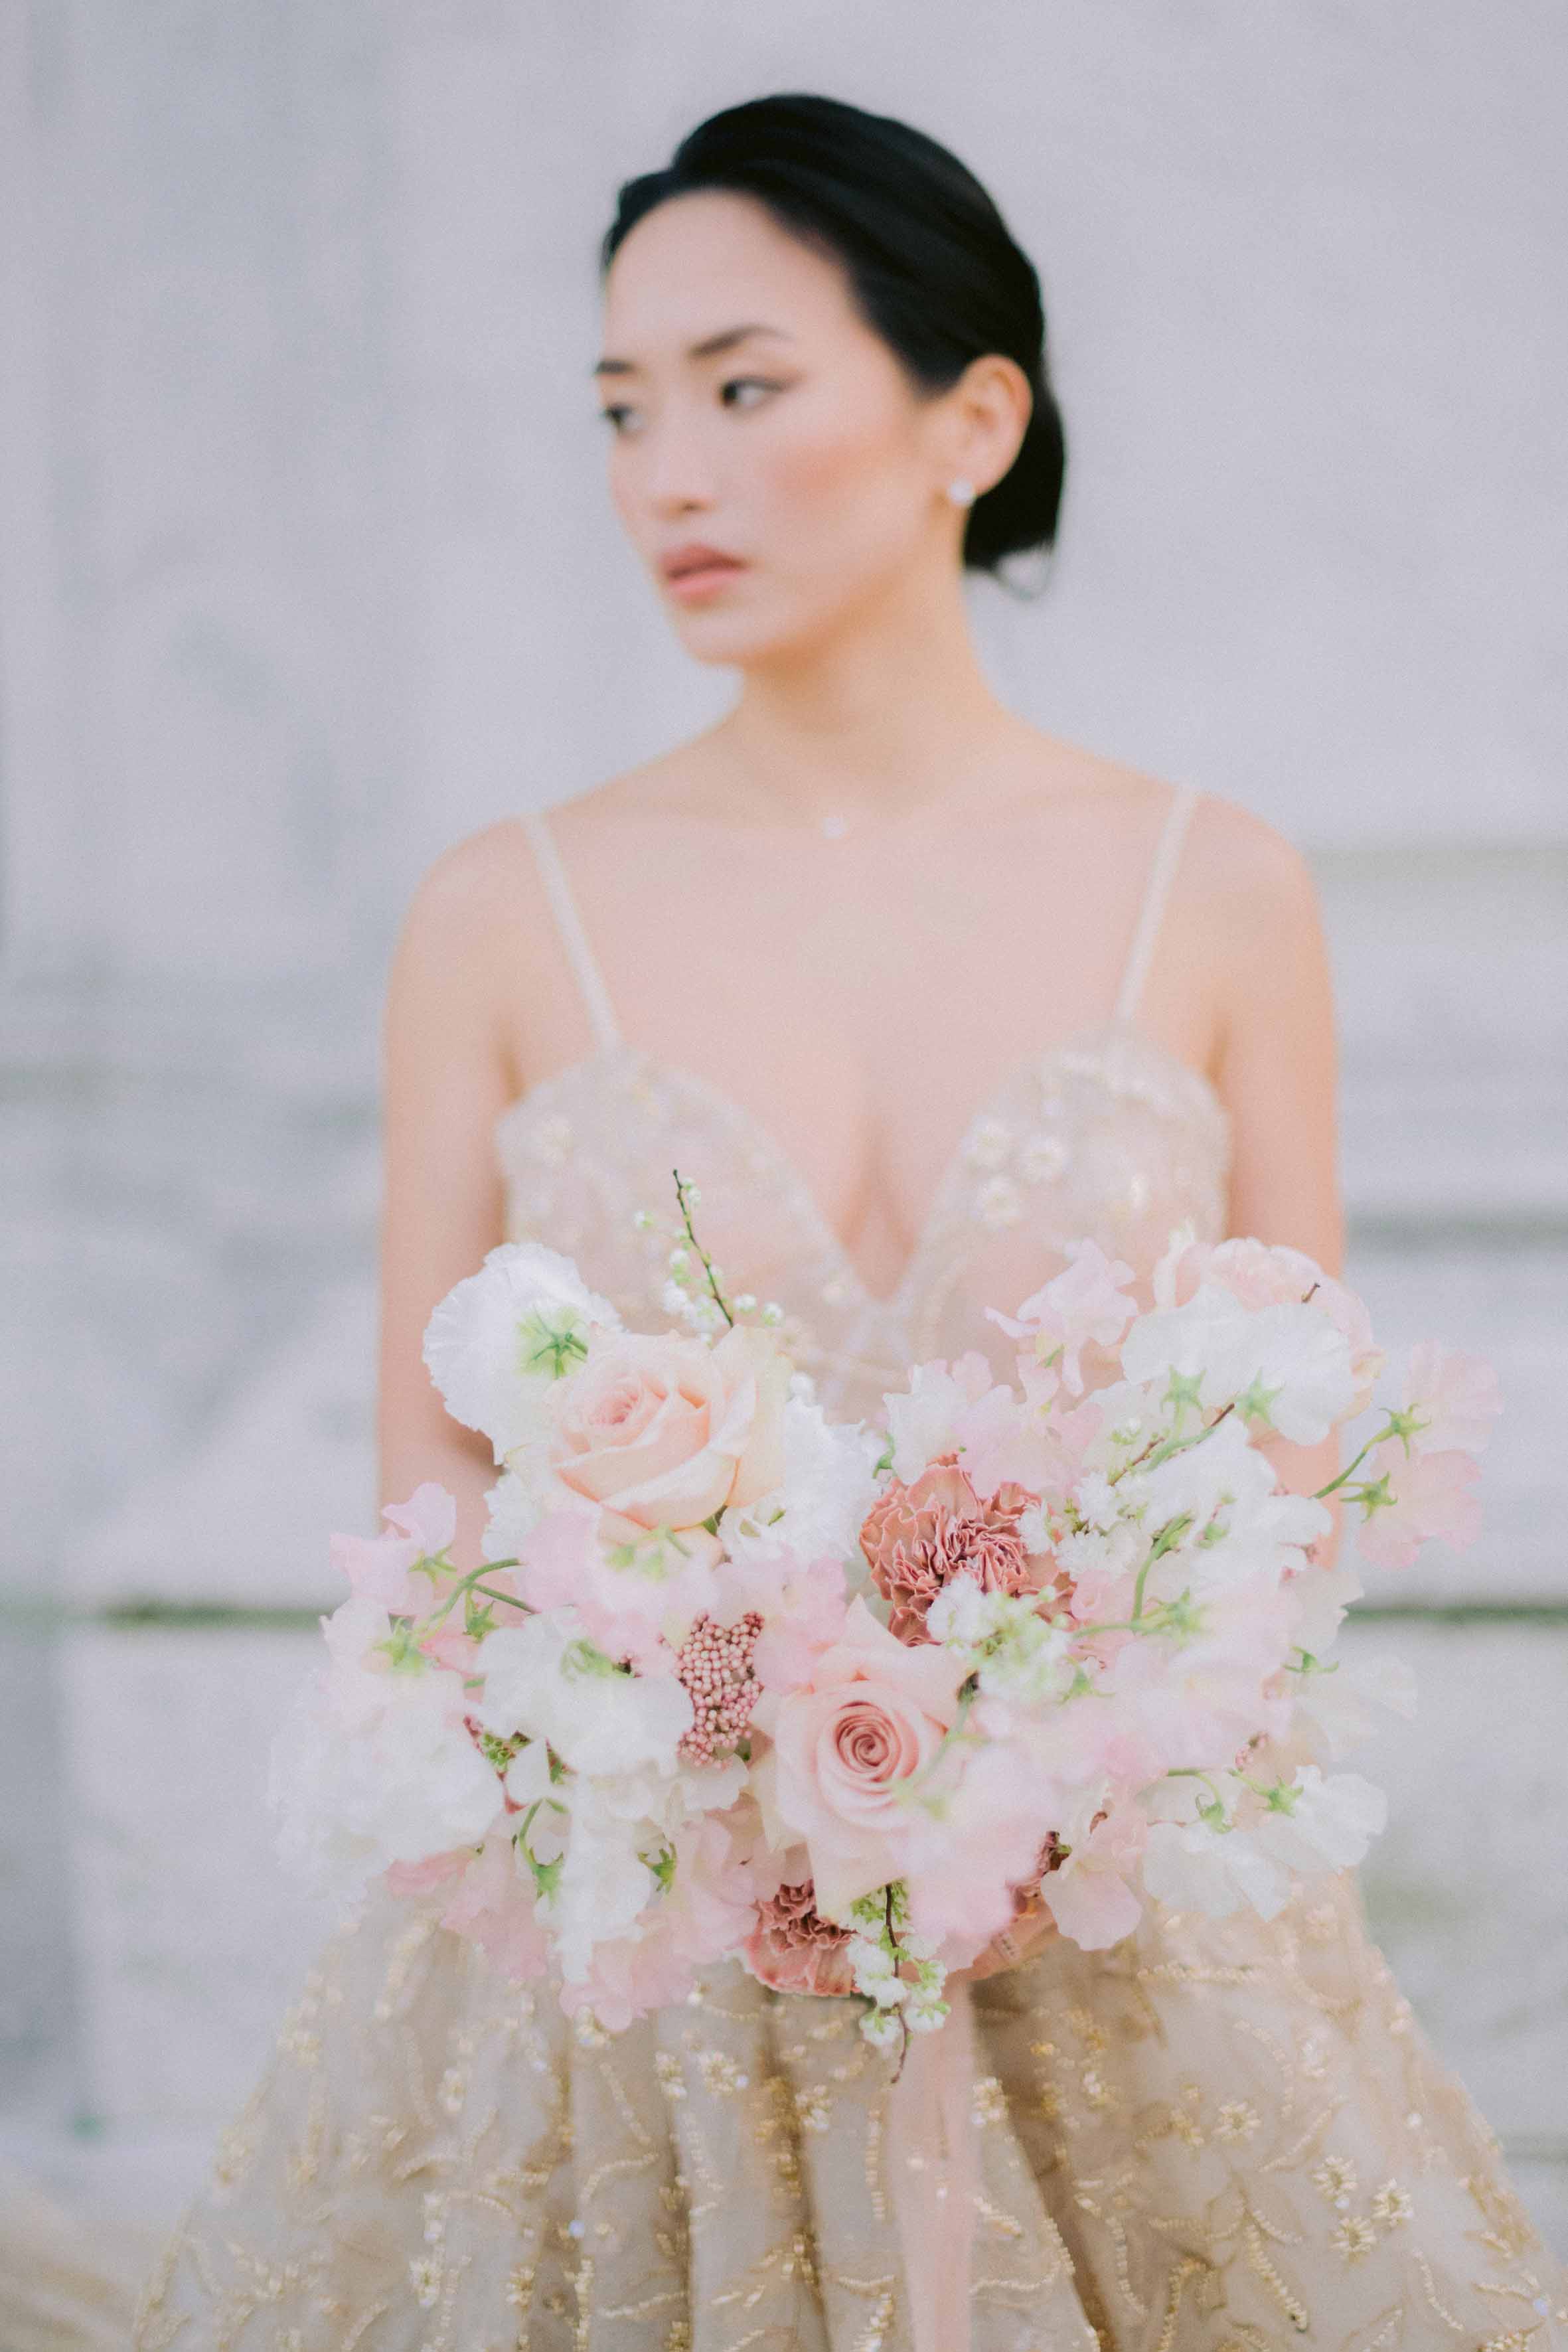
(757,417)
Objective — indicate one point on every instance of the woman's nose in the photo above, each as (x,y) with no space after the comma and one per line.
(676,475)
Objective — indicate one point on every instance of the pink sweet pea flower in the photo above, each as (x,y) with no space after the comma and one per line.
(435,1870)
(1207,1694)
(1457,1396)
(452,1648)
(704,1917)
(380,1568)
(1083,1305)
(1434,1501)
(626,1611)
(964,1863)
(1039,1443)
(493,1907)
(802,1605)
(1090,1896)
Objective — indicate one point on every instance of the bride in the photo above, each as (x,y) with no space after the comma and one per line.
(920,994)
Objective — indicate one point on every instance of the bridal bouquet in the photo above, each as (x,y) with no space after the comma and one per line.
(736,1681)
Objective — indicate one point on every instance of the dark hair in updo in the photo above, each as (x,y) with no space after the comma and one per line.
(931,262)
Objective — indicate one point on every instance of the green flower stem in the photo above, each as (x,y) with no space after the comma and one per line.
(967,1695)
(1169,1537)
(1161,1449)
(1351,1468)
(718,1297)
(470,1583)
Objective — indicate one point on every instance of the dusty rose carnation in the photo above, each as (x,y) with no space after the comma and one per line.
(918,1538)
(792,1948)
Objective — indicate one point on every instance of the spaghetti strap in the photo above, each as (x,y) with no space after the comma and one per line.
(569,924)
(1161,873)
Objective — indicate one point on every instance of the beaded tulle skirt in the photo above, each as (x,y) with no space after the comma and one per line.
(1215,2137)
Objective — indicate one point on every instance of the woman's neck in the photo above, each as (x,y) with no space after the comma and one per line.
(891,713)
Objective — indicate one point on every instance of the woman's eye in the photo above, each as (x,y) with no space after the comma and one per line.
(739,384)
(615,414)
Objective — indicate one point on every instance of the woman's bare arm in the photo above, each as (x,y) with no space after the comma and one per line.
(446,1079)
(1277,1064)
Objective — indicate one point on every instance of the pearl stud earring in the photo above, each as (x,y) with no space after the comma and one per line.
(960,491)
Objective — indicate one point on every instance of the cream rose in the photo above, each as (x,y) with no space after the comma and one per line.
(662,1432)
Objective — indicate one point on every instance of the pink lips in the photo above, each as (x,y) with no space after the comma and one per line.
(695,571)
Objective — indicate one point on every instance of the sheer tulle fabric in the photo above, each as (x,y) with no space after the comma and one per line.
(1213,2138)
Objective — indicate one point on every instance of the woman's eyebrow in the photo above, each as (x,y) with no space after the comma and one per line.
(709,347)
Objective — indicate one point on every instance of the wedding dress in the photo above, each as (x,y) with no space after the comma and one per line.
(1215,2137)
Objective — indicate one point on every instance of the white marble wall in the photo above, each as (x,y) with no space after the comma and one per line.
(306,568)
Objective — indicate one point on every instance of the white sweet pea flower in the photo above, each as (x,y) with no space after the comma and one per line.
(922,1420)
(528,1780)
(517,1503)
(1167,1270)
(373,1765)
(1321,1597)
(1341,1703)
(1286,1364)
(546,1680)
(602,1883)
(1192,1867)
(1318,1824)
(1242,1524)
(829,1484)
(497,1342)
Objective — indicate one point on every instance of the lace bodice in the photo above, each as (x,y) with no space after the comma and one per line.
(1106,1135)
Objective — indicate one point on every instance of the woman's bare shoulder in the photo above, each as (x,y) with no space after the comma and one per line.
(462,914)
(1238,865)
(1230,852)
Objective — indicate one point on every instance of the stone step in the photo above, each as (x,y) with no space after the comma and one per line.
(246,1517)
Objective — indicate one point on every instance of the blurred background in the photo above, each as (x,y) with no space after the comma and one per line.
(306,569)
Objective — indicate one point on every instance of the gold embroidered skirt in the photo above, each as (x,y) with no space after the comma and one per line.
(1217,2137)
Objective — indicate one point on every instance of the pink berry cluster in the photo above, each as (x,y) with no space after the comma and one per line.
(717,1674)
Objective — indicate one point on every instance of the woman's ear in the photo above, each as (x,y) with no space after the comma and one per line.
(988,412)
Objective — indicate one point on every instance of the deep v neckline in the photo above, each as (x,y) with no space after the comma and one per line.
(1093,1045)
(1096,1042)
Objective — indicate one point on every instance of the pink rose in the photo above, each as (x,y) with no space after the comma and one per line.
(847,1747)
(663,1430)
